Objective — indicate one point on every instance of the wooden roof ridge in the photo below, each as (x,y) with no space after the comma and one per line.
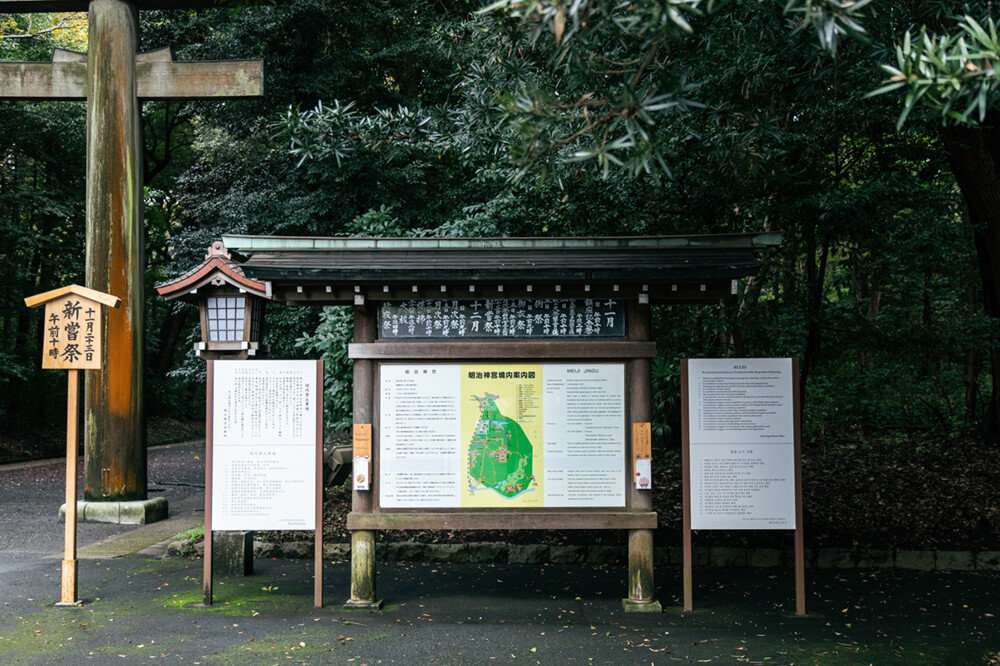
(83,292)
(217,259)
(250,243)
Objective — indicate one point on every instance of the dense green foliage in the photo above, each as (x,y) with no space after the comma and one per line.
(396,117)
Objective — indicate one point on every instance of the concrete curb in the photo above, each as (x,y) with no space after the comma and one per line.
(755,558)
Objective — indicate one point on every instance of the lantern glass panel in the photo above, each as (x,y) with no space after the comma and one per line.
(225,318)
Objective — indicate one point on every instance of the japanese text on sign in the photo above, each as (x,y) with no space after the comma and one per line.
(72,334)
(742,436)
(264,443)
(502,318)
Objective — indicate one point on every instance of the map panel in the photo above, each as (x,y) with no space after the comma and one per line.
(488,435)
(502,435)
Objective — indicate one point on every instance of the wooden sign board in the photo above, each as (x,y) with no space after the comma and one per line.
(741,451)
(73,326)
(499,318)
(501,434)
(72,334)
(264,451)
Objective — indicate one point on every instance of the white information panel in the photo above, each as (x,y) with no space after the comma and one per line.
(487,435)
(742,435)
(264,445)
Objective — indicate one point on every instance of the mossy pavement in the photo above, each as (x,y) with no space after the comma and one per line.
(139,610)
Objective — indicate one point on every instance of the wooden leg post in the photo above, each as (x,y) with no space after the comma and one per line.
(687,575)
(69,585)
(363,571)
(206,556)
(363,541)
(800,540)
(641,597)
(640,573)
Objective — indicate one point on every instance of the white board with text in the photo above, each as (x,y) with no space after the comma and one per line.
(511,435)
(741,424)
(264,440)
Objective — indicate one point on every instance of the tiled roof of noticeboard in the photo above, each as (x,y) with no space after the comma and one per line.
(602,259)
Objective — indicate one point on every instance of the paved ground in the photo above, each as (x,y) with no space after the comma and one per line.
(139,609)
(476,614)
(31,494)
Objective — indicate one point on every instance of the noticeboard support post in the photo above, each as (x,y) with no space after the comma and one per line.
(799,532)
(207,555)
(687,572)
(800,548)
(318,546)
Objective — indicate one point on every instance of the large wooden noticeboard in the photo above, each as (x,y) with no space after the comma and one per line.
(522,431)
(264,450)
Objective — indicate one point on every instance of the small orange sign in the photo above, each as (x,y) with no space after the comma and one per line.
(642,452)
(642,440)
(362,439)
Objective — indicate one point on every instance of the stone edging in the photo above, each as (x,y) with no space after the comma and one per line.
(503,553)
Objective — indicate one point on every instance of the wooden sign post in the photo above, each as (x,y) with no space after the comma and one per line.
(73,341)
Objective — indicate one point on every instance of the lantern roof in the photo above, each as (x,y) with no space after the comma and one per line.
(218,269)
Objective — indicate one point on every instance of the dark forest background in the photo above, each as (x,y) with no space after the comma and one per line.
(405,117)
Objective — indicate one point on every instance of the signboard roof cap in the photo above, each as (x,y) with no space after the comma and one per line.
(84,292)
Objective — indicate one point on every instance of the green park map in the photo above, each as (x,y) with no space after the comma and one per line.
(500,453)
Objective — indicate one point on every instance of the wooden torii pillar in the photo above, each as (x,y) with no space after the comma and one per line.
(114,79)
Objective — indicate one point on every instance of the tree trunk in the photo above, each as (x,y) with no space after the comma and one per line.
(974,156)
(170,333)
(815,279)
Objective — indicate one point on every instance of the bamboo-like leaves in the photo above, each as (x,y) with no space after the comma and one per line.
(832,19)
(953,75)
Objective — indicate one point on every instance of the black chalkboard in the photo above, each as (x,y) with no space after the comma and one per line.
(502,318)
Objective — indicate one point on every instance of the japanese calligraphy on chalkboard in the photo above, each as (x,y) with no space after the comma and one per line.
(502,318)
